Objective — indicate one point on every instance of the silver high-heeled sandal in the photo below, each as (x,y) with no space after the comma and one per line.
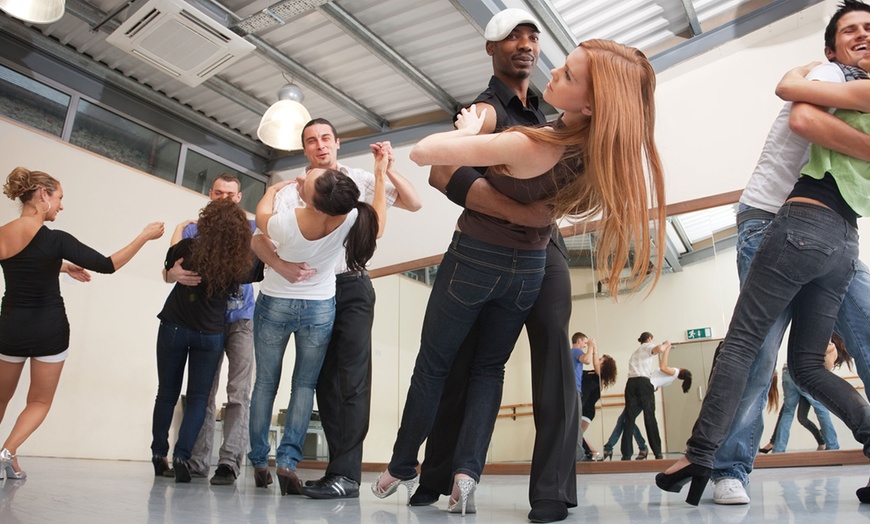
(409,484)
(6,467)
(465,504)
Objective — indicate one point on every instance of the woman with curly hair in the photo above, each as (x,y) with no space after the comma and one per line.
(334,222)
(33,323)
(600,377)
(193,325)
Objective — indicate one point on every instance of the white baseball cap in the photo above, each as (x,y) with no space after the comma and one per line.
(501,25)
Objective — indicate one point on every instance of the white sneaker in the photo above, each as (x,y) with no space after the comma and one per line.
(729,491)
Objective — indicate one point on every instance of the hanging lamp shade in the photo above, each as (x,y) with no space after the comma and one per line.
(281,126)
(34,11)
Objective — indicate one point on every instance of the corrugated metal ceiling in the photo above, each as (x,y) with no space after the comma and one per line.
(440,38)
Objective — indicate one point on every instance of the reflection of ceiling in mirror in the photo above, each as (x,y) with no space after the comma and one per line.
(703,224)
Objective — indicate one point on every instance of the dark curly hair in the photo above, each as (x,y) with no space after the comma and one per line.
(221,251)
(607,371)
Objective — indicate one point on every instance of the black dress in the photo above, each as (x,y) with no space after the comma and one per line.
(33,319)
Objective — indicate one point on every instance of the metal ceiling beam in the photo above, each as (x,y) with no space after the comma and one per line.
(368,39)
(554,24)
(692,17)
(93,16)
(108,75)
(733,30)
(313,82)
(318,84)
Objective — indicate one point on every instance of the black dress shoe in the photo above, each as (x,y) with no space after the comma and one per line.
(548,511)
(424,496)
(334,487)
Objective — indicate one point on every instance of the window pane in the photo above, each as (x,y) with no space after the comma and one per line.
(32,103)
(200,171)
(115,137)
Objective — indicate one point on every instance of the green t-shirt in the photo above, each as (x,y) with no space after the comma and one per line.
(852,175)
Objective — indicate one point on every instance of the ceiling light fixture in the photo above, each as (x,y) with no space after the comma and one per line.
(34,11)
(281,126)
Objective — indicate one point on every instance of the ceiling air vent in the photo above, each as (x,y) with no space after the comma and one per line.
(179,40)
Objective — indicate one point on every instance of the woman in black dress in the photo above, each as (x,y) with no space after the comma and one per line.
(33,323)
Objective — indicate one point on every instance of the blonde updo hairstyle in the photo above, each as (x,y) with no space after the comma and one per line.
(22,183)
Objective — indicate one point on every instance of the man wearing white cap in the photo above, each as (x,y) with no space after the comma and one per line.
(512,42)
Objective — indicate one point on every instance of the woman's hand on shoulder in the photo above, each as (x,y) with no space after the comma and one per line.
(469,120)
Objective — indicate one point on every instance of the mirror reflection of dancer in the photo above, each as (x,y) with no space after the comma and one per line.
(795,400)
(640,395)
(493,269)
(33,323)
(590,382)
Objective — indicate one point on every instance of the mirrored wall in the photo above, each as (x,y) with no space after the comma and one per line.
(690,306)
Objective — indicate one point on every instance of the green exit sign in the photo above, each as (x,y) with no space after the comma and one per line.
(695,334)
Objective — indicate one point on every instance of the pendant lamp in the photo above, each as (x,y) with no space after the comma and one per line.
(34,11)
(281,126)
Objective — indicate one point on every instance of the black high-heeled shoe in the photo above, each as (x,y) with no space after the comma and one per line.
(182,472)
(765,450)
(607,455)
(674,482)
(160,465)
(863,494)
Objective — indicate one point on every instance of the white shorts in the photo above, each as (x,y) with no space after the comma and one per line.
(60,357)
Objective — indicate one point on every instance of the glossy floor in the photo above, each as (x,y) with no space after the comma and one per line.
(91,491)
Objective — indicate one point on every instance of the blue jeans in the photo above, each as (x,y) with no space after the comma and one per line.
(175,346)
(275,319)
(736,455)
(475,280)
(807,259)
(853,321)
(617,432)
(791,397)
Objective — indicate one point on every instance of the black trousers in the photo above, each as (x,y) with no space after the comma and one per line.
(640,396)
(554,395)
(344,387)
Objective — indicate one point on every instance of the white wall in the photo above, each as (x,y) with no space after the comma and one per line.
(713,115)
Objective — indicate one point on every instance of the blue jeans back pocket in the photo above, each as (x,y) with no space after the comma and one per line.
(471,287)
(803,256)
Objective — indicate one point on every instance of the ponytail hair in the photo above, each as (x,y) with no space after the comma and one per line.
(336,194)
(362,238)
(686,376)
